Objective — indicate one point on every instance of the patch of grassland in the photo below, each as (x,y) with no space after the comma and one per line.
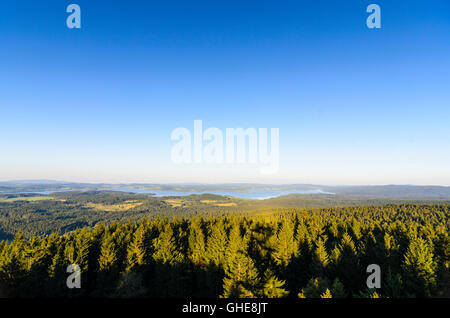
(226,204)
(28,199)
(175,202)
(125,206)
(218,203)
(208,201)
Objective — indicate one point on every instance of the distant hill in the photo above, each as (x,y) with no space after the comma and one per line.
(401,192)
(393,192)
(33,181)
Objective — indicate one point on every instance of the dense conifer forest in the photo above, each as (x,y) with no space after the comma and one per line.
(64,212)
(312,253)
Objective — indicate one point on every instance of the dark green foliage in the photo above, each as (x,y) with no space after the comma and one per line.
(319,253)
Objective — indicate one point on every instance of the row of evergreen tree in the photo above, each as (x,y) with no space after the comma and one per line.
(308,253)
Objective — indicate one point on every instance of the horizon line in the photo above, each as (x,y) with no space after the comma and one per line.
(43,181)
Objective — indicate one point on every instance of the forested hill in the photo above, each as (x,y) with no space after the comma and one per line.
(393,192)
(63,212)
(318,253)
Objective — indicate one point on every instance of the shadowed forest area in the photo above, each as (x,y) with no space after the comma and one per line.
(312,253)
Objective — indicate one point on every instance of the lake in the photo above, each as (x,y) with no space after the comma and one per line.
(253,194)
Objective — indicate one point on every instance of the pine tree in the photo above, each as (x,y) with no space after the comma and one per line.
(12,268)
(70,255)
(273,287)
(108,270)
(326,294)
(170,275)
(241,279)
(108,257)
(315,288)
(285,245)
(337,289)
(348,267)
(419,267)
(36,261)
(56,285)
(217,244)
(320,259)
(166,251)
(83,243)
(237,244)
(137,255)
(196,250)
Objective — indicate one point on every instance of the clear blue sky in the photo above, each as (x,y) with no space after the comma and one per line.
(353,105)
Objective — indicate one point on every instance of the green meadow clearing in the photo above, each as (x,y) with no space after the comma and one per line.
(28,199)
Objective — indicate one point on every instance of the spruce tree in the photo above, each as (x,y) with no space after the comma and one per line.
(196,250)
(137,255)
(285,245)
(217,244)
(241,279)
(419,268)
(320,258)
(273,287)
(326,294)
(166,251)
(170,275)
(108,269)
